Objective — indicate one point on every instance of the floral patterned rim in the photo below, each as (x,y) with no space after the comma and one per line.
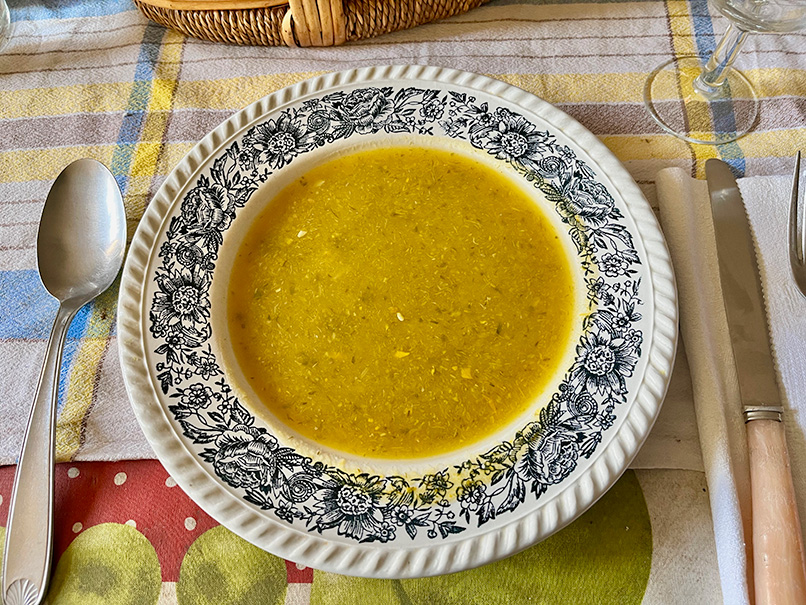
(296,494)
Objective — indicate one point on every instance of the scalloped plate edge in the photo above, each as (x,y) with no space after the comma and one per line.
(373,560)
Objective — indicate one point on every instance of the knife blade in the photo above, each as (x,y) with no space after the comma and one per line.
(778,553)
(741,289)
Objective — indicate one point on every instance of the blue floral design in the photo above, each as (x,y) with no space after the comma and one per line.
(207,212)
(603,363)
(366,110)
(353,505)
(370,508)
(275,143)
(512,138)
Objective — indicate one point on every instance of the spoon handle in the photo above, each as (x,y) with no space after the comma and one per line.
(29,536)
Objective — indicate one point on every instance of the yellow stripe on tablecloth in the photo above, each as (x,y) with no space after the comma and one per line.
(771,144)
(83,377)
(234,93)
(19,166)
(663,148)
(778,143)
(22,165)
(777,82)
(611,88)
(150,154)
(159,106)
(65,100)
(683,41)
(659,146)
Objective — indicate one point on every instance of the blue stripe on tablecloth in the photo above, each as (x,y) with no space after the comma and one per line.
(706,43)
(29,311)
(128,136)
(36,10)
(71,348)
(120,165)
(134,118)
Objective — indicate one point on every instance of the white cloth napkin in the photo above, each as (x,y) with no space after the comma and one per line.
(688,225)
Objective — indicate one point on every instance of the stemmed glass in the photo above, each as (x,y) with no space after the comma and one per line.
(715,103)
(5,23)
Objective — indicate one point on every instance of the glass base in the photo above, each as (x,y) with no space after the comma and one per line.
(683,109)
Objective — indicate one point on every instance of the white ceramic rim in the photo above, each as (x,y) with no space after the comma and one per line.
(469,550)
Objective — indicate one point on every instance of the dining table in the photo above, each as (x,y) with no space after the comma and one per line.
(98,79)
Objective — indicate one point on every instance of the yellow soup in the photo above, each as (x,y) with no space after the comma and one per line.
(400,303)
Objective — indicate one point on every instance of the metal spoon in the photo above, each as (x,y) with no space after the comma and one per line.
(80,247)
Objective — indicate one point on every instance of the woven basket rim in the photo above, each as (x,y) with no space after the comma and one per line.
(316,23)
(214,5)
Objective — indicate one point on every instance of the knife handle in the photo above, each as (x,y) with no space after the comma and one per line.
(778,555)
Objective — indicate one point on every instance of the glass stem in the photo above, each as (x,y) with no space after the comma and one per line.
(716,70)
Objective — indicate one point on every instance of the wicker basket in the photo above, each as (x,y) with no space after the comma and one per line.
(297,22)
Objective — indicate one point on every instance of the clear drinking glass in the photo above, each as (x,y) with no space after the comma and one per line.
(714,103)
(5,23)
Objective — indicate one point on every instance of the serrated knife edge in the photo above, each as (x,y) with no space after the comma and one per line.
(742,289)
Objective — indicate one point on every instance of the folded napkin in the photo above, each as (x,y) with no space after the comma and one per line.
(688,225)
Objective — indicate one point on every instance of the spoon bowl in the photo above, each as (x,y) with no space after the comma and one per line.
(80,244)
(80,247)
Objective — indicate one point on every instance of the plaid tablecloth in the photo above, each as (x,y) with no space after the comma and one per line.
(95,79)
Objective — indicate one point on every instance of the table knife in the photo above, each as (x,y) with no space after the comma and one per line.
(778,554)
